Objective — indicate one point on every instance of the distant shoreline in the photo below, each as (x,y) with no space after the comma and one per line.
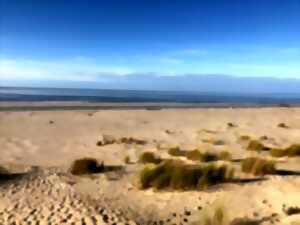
(12,106)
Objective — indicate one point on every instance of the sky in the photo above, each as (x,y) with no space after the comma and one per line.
(98,41)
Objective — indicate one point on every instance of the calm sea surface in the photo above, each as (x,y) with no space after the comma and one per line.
(123,96)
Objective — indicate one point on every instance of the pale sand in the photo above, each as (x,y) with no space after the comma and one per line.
(48,194)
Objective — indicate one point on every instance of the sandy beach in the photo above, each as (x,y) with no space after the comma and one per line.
(38,148)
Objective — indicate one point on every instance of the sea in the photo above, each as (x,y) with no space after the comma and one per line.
(143,96)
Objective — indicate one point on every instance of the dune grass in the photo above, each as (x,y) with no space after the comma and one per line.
(86,166)
(209,157)
(149,157)
(214,141)
(225,156)
(176,151)
(258,166)
(245,137)
(127,159)
(131,140)
(292,210)
(176,175)
(196,155)
(230,125)
(278,152)
(214,215)
(263,138)
(255,145)
(291,151)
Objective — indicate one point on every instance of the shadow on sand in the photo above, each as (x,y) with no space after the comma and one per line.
(247,180)
(287,173)
(6,177)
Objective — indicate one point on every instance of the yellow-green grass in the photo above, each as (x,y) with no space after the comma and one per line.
(176,151)
(258,166)
(175,175)
(149,157)
(291,151)
(196,155)
(255,145)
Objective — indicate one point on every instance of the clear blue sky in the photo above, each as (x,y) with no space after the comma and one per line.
(85,40)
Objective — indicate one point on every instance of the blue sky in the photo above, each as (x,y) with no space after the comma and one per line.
(89,41)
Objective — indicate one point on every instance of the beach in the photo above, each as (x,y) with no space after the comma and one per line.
(38,146)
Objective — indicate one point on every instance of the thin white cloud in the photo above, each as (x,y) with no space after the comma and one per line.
(78,69)
(280,71)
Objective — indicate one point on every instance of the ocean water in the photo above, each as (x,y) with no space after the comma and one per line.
(127,96)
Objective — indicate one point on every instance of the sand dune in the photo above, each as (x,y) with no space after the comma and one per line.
(38,148)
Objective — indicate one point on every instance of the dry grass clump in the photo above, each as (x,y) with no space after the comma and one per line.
(255,145)
(231,125)
(127,160)
(258,166)
(218,142)
(86,166)
(177,175)
(292,210)
(244,138)
(131,140)
(291,151)
(108,140)
(214,141)
(282,125)
(149,157)
(176,151)
(216,216)
(264,138)
(278,152)
(209,157)
(196,155)
(225,155)
(193,155)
